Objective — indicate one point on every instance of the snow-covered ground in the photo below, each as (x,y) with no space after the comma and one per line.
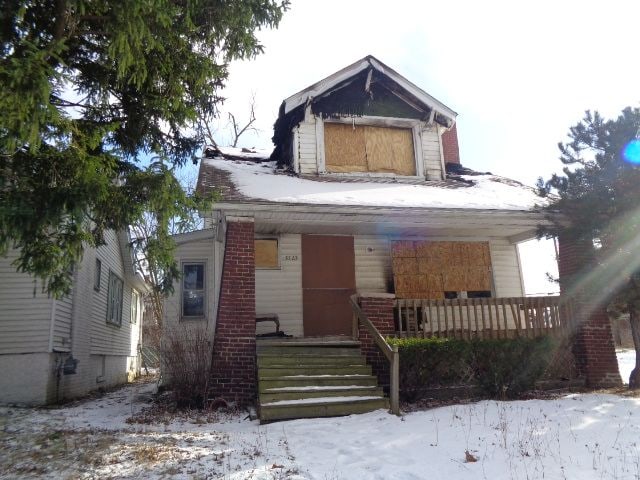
(626,362)
(590,436)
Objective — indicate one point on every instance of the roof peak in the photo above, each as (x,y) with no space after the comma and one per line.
(367,62)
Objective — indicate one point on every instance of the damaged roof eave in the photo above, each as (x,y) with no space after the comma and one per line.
(524,217)
(328,83)
(514,225)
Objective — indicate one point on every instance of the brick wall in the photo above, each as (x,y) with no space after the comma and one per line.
(593,347)
(450,149)
(233,374)
(379,309)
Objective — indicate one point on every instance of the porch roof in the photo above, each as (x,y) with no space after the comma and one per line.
(478,224)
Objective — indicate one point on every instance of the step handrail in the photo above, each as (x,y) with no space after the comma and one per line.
(389,351)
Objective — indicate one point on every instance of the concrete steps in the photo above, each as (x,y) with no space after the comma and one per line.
(324,377)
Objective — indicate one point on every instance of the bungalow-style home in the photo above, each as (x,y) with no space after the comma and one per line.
(364,195)
(55,349)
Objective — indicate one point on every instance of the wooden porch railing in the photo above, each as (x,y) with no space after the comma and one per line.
(467,318)
(390,352)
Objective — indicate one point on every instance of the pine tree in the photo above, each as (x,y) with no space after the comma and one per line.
(88,86)
(597,203)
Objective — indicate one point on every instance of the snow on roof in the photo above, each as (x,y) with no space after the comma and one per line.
(262,181)
(237,153)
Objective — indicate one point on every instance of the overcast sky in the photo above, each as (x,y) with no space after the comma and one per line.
(519,75)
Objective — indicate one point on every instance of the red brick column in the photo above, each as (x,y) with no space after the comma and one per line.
(379,309)
(450,150)
(233,372)
(593,347)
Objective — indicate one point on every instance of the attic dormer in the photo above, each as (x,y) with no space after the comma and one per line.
(367,120)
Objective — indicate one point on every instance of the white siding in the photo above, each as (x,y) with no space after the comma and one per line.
(280,291)
(62,325)
(308,158)
(373,263)
(194,251)
(307,148)
(25,315)
(431,153)
(108,339)
(506,268)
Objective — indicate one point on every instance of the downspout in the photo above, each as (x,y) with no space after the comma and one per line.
(52,324)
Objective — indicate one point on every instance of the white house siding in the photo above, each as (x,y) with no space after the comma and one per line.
(194,251)
(432,153)
(25,313)
(308,158)
(506,268)
(108,339)
(79,327)
(306,147)
(373,263)
(94,342)
(280,290)
(62,323)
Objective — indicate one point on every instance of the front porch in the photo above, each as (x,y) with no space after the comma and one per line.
(484,305)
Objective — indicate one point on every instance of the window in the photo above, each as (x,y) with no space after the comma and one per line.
(366,148)
(266,253)
(114,299)
(193,290)
(135,298)
(96,275)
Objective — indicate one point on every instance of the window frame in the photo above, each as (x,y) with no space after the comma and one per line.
(97,275)
(407,123)
(184,263)
(277,240)
(109,314)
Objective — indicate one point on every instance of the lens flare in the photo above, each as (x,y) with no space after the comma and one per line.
(631,152)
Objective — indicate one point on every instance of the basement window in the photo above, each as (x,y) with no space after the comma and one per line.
(193,290)
(266,250)
(357,148)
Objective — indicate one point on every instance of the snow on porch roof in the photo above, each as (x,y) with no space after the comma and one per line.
(369,61)
(248,180)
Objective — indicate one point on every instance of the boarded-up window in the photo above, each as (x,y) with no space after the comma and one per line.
(429,269)
(266,253)
(364,148)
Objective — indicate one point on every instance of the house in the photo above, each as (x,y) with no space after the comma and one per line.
(363,194)
(56,349)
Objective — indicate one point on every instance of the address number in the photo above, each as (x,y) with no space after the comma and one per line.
(291,258)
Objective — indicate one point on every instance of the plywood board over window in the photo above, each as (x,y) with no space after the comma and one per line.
(344,148)
(424,269)
(365,148)
(266,253)
(390,150)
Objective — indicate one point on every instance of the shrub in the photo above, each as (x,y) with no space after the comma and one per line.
(186,362)
(502,368)
(507,368)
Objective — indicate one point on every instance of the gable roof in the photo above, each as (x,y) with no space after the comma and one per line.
(442,113)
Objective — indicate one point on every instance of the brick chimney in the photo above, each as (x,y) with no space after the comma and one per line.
(450,149)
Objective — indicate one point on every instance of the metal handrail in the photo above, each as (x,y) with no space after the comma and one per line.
(389,351)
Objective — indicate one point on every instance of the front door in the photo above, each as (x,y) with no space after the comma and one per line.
(328,280)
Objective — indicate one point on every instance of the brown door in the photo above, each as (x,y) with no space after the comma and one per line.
(328,280)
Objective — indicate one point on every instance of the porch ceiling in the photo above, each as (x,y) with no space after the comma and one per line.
(401,222)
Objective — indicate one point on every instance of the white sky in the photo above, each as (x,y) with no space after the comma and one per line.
(519,75)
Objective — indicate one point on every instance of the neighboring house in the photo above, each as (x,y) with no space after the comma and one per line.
(364,193)
(98,326)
